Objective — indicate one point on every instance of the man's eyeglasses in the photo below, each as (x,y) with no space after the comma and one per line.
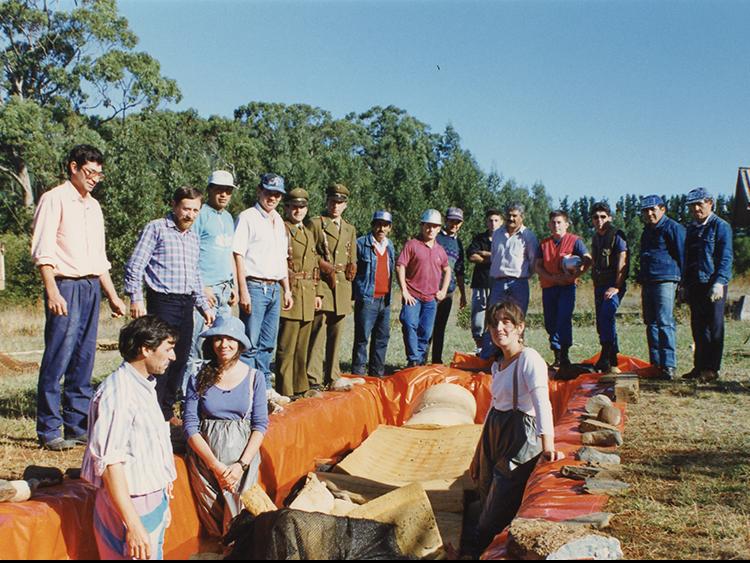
(602,216)
(94,174)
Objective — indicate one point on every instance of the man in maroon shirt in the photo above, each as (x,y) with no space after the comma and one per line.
(420,267)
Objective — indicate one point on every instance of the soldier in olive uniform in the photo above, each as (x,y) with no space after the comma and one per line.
(296,323)
(336,245)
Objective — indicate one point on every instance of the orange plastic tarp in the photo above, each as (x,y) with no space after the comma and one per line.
(57,524)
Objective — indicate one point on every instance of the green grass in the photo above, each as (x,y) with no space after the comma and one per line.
(686,451)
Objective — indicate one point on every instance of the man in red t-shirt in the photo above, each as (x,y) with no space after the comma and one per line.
(420,267)
(559,271)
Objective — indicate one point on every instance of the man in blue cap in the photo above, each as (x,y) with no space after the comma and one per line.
(662,267)
(708,271)
(376,259)
(260,253)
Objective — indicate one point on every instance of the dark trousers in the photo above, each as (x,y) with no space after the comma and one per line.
(707,323)
(559,302)
(438,333)
(176,310)
(69,350)
(372,317)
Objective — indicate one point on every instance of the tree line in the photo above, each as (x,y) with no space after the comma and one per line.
(75,76)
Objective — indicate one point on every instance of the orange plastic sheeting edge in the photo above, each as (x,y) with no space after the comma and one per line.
(548,494)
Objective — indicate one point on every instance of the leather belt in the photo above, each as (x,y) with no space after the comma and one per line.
(262,280)
(302,276)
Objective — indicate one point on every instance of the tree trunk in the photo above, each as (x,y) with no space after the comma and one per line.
(24,179)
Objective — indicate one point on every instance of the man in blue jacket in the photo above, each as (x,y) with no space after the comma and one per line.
(708,271)
(372,296)
(662,266)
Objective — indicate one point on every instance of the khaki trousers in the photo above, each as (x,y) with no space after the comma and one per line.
(291,356)
(323,359)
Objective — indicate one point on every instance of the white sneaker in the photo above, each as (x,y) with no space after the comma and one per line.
(273,396)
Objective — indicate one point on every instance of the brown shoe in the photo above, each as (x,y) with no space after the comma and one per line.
(692,374)
(708,375)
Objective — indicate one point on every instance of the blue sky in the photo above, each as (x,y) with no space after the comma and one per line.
(591,98)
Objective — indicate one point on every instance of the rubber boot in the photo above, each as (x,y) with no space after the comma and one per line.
(602,365)
(613,360)
(564,358)
(556,363)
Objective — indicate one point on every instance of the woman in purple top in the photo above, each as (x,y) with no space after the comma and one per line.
(225,419)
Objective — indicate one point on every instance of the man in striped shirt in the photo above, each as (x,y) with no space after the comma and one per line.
(166,257)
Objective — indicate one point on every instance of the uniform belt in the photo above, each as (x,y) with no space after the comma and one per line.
(262,280)
(302,276)
(340,267)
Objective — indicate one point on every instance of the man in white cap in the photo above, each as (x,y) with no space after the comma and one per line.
(707,273)
(420,267)
(215,230)
(260,249)
(376,260)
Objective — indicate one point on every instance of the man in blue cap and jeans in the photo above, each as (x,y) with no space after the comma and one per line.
(707,273)
(662,267)
(260,251)
(376,260)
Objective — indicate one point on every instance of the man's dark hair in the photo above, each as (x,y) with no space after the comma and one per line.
(148,331)
(81,154)
(186,192)
(601,206)
(559,213)
(490,212)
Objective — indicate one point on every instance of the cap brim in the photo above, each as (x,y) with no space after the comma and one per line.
(297,201)
(338,198)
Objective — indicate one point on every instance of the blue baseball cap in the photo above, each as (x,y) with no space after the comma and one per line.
(272,182)
(649,201)
(231,327)
(382,215)
(698,195)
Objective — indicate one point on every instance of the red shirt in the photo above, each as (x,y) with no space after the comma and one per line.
(424,268)
(382,275)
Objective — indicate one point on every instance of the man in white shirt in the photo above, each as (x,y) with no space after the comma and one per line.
(260,254)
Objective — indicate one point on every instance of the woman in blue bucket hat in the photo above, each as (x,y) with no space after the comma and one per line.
(225,419)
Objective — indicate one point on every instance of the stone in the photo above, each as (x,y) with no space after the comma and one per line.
(600,486)
(17,491)
(314,497)
(256,501)
(534,539)
(346,383)
(589,547)
(596,520)
(592,455)
(592,425)
(743,309)
(445,404)
(602,438)
(580,472)
(626,390)
(597,403)
(610,415)
(47,476)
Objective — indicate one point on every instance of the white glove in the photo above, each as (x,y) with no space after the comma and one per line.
(717,292)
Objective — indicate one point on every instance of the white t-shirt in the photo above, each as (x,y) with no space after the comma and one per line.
(533,389)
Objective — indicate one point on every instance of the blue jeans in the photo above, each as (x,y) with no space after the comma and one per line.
(606,311)
(658,315)
(69,349)
(559,302)
(505,289)
(223,292)
(417,322)
(372,317)
(480,298)
(262,326)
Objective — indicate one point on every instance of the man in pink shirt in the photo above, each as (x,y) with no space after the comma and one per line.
(420,267)
(69,249)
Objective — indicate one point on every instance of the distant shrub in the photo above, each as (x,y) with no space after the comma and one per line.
(22,283)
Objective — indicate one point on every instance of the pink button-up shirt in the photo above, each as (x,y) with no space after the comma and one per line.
(69,233)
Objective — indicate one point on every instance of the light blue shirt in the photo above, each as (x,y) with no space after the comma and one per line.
(513,256)
(215,230)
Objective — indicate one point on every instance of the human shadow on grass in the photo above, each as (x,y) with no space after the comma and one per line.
(21,404)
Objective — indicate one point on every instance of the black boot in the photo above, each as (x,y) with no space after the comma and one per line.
(613,360)
(556,363)
(564,358)
(602,365)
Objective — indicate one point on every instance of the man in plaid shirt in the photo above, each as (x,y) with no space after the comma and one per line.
(166,257)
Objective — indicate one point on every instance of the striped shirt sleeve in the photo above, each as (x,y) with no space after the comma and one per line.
(136,266)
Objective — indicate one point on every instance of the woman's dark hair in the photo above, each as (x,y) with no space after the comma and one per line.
(81,154)
(186,192)
(210,372)
(148,331)
(505,310)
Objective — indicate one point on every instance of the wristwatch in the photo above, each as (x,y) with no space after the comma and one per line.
(243,465)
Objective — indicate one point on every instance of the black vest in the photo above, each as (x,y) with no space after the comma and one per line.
(604,270)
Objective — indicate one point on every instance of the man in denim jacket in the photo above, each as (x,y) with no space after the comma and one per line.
(372,296)
(662,266)
(708,271)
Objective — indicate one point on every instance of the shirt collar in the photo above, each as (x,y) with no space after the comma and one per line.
(75,196)
(704,223)
(148,383)
(265,214)
(442,231)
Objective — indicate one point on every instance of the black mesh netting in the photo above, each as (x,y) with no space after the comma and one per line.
(294,534)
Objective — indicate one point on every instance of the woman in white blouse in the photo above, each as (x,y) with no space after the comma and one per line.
(518,428)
